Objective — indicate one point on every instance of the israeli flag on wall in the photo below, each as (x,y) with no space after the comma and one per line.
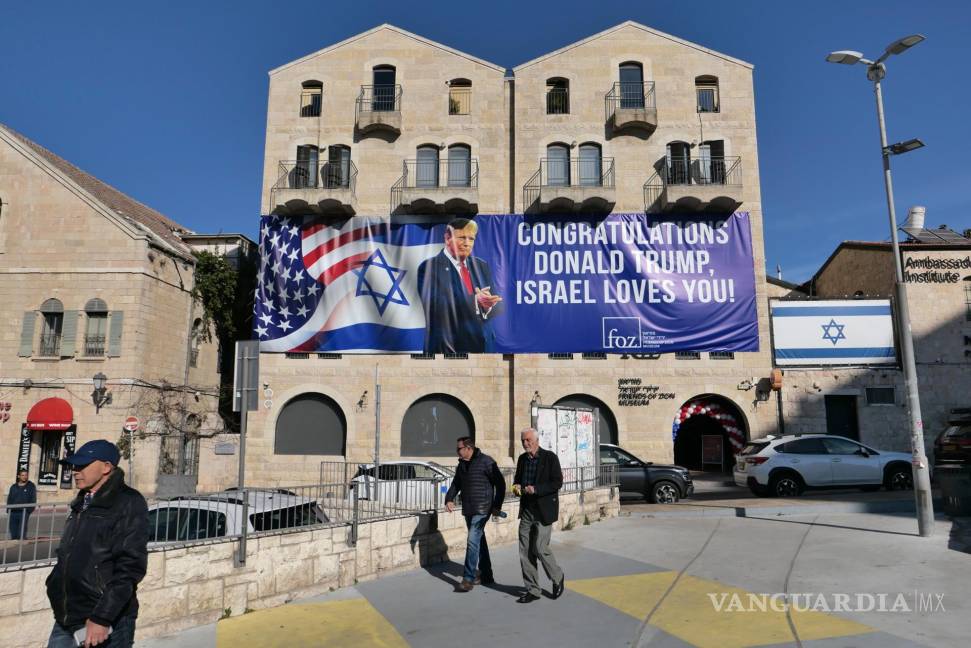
(833,332)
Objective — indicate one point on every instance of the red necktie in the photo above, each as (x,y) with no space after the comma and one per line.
(466,279)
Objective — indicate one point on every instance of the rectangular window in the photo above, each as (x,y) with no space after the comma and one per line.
(459,100)
(329,356)
(560,356)
(194,357)
(880,396)
(298,356)
(50,450)
(721,355)
(310,100)
(594,356)
(707,99)
(422,356)
(95,334)
(456,356)
(687,355)
(50,336)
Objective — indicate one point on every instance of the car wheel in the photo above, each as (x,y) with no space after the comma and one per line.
(900,479)
(665,492)
(786,485)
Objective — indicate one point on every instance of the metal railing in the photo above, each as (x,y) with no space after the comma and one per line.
(575,172)
(94,345)
(626,95)
(558,101)
(308,174)
(50,344)
(459,100)
(438,174)
(379,98)
(685,171)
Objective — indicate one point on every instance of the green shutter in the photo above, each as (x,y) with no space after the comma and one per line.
(114,336)
(69,332)
(27,335)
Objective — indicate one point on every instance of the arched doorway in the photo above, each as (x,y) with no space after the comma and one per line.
(607,424)
(432,424)
(310,424)
(702,426)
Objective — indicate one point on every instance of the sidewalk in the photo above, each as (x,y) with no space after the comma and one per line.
(640,581)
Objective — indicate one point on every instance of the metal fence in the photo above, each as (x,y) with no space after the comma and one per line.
(629,95)
(379,98)
(309,174)
(576,172)
(347,495)
(435,174)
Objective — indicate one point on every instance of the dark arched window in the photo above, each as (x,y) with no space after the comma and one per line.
(432,424)
(706,91)
(557,96)
(310,424)
(304,172)
(459,97)
(459,165)
(337,172)
(310,98)
(52,311)
(383,95)
(558,165)
(591,164)
(678,163)
(631,85)
(606,423)
(426,166)
(96,327)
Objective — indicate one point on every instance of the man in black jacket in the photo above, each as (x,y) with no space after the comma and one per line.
(102,555)
(478,479)
(21,491)
(538,481)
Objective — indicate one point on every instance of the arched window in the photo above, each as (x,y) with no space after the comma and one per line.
(426,167)
(304,172)
(591,165)
(310,98)
(459,165)
(459,97)
(557,96)
(95,327)
(558,165)
(195,339)
(310,424)
(678,163)
(706,91)
(711,162)
(606,423)
(631,85)
(432,424)
(337,173)
(383,96)
(52,311)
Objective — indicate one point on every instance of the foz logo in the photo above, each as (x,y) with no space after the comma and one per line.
(621,333)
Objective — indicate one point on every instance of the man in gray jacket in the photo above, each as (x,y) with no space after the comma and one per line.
(483,489)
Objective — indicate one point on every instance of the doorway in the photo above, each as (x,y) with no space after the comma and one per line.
(841,416)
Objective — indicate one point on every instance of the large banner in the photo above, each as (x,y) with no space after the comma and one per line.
(832,332)
(627,283)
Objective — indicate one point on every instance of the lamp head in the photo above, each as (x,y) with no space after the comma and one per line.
(844,57)
(901,45)
(99,381)
(905,147)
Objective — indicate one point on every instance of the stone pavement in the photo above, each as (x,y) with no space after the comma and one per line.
(645,580)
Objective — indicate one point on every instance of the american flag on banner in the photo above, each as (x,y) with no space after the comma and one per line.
(347,286)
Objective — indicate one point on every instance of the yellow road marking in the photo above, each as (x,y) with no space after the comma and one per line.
(689,613)
(352,622)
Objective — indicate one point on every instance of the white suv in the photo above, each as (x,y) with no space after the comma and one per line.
(785,466)
(407,484)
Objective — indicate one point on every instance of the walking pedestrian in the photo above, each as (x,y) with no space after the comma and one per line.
(538,481)
(478,480)
(21,491)
(102,555)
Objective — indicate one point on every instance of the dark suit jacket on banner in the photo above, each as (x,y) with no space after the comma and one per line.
(452,324)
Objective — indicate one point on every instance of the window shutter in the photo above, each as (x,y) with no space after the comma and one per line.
(114,339)
(69,332)
(27,335)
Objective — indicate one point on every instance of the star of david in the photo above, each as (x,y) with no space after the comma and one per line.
(381,300)
(828,331)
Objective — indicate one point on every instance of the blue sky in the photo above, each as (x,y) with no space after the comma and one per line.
(167,101)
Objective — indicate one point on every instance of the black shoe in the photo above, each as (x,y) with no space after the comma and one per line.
(558,587)
(527,598)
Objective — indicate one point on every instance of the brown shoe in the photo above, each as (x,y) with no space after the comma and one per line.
(465,586)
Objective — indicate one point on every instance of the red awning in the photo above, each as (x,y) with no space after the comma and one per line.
(50,414)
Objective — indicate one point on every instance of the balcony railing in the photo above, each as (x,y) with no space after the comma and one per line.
(558,101)
(576,172)
(379,98)
(308,174)
(434,174)
(94,345)
(627,95)
(50,344)
(702,171)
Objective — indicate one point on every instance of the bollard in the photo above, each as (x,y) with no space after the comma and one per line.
(354,515)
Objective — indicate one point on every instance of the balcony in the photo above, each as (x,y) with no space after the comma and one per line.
(436,187)
(306,187)
(94,346)
(681,184)
(574,185)
(379,109)
(631,106)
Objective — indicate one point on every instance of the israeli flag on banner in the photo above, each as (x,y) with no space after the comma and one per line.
(833,332)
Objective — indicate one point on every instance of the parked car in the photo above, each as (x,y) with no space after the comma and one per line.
(953,445)
(658,483)
(205,517)
(407,484)
(787,465)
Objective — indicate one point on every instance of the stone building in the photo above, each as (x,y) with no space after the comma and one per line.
(628,120)
(870,404)
(101,325)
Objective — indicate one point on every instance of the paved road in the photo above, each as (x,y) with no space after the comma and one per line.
(648,580)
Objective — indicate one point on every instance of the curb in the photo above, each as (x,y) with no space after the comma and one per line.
(896,506)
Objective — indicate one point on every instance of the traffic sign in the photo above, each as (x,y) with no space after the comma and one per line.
(131,424)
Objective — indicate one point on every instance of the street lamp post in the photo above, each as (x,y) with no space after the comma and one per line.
(876,71)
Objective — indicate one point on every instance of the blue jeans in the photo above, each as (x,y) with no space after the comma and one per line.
(477,549)
(122,635)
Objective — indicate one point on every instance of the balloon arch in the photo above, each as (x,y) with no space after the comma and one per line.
(711,409)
